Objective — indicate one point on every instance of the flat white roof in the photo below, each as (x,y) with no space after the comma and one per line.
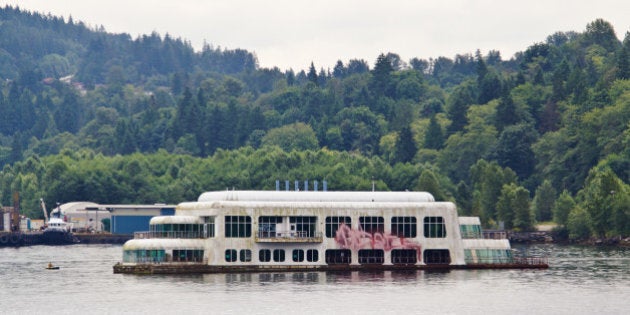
(163,243)
(469,221)
(316,196)
(179,219)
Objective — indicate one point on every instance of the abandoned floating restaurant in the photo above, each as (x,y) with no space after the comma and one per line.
(262,231)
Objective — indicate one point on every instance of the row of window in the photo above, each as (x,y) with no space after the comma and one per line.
(241,226)
(342,256)
(160,255)
(267,255)
(488,256)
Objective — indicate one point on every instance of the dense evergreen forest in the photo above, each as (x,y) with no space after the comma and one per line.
(93,116)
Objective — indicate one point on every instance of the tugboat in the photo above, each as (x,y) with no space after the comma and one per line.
(57,231)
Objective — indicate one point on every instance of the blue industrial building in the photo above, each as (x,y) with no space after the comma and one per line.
(127,219)
(124,219)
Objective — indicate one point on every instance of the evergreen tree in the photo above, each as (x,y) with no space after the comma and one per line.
(406,148)
(514,149)
(381,82)
(458,102)
(465,200)
(17,148)
(623,59)
(126,136)
(312,75)
(506,112)
(433,138)
(489,88)
(183,114)
(544,201)
(69,114)
(339,71)
(290,77)
(482,69)
(488,82)
(602,33)
(578,86)
(559,78)
(523,216)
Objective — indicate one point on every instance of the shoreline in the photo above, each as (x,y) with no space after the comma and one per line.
(552,237)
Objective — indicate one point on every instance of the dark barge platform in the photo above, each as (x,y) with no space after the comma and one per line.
(18,239)
(188,268)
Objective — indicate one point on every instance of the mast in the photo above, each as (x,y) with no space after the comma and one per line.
(41,200)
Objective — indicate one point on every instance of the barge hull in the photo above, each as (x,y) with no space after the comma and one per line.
(151,269)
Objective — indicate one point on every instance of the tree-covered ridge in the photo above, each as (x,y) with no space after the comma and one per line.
(55,48)
(542,136)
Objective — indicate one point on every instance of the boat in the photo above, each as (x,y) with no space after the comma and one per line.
(51,267)
(57,231)
(263,231)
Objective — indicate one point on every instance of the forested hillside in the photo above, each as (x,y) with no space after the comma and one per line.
(542,136)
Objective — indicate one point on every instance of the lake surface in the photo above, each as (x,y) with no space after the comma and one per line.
(581,280)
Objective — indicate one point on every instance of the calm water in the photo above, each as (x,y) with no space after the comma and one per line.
(582,280)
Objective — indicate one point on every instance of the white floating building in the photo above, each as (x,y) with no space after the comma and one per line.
(250,231)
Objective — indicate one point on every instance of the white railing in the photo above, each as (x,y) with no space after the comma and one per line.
(289,235)
(169,234)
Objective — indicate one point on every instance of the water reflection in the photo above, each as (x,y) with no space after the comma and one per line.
(580,280)
(329,278)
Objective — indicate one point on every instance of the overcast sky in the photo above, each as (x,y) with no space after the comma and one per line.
(292,33)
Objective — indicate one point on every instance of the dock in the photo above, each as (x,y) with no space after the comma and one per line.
(18,239)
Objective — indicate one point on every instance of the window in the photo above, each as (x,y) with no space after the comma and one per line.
(304,226)
(230,255)
(493,256)
(338,256)
(267,226)
(298,255)
(188,255)
(434,227)
(333,223)
(371,256)
(238,226)
(208,229)
(404,256)
(468,257)
(372,224)
(312,255)
(245,255)
(470,231)
(404,226)
(278,255)
(264,255)
(145,256)
(175,230)
(436,256)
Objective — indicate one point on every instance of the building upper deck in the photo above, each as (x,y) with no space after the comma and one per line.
(316,196)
